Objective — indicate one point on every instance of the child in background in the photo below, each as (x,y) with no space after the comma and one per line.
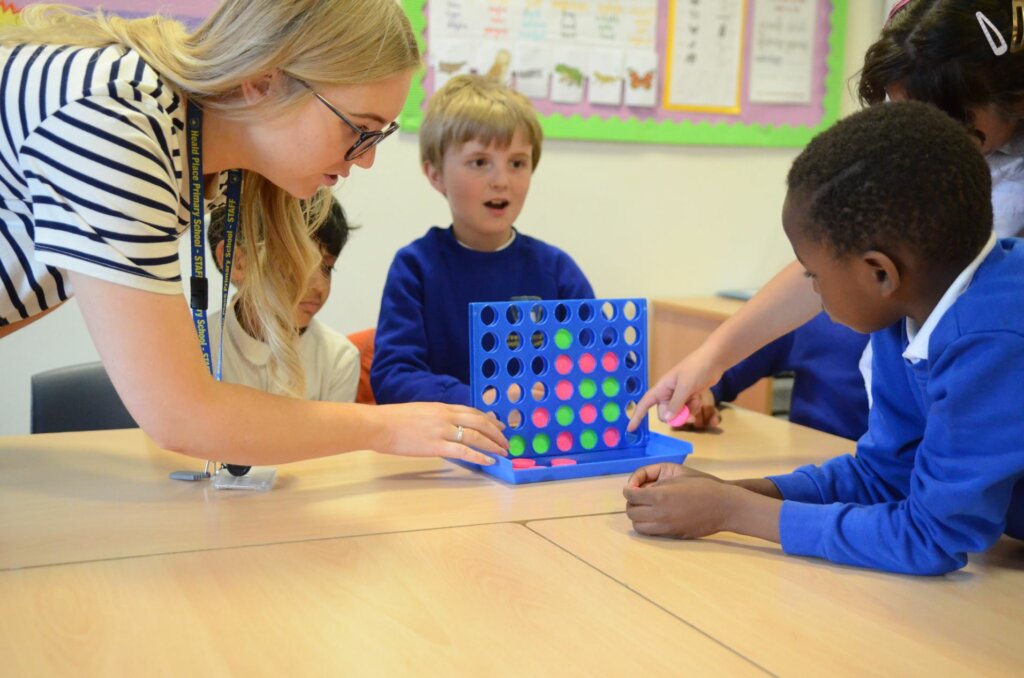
(943,52)
(897,248)
(955,54)
(329,360)
(828,388)
(480,143)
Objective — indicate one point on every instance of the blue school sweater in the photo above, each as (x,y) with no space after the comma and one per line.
(939,473)
(828,388)
(422,342)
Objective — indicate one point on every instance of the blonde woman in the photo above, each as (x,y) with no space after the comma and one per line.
(95,192)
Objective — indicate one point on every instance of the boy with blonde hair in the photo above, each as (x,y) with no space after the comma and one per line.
(480,143)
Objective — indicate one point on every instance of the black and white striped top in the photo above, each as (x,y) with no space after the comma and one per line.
(90,174)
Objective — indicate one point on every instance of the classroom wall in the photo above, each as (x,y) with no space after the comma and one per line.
(646,221)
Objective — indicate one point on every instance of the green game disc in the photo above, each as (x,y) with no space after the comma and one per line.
(610,412)
(516,446)
(588,388)
(564,415)
(563,339)
(541,443)
(588,439)
(610,387)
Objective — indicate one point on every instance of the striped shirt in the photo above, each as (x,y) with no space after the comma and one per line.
(91,175)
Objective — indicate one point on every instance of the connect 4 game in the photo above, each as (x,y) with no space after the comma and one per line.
(565,376)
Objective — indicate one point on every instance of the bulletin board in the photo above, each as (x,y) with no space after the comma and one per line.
(711,72)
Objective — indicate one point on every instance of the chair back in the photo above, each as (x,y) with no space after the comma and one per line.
(364,342)
(77,398)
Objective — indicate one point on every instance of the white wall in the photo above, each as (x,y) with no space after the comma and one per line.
(647,221)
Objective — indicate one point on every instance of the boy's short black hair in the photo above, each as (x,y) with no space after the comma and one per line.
(331,236)
(901,174)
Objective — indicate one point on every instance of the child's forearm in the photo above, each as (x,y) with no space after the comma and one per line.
(752,513)
(761,486)
(786,302)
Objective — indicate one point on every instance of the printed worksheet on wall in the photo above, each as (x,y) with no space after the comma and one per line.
(568,51)
(781,63)
(705,64)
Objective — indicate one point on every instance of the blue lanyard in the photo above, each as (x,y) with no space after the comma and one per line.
(198,284)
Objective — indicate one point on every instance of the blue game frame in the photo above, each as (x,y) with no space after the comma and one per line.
(564,376)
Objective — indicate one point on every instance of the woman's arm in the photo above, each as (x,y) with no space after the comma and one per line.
(782,305)
(148,345)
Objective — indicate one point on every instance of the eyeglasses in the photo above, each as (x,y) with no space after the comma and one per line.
(366,140)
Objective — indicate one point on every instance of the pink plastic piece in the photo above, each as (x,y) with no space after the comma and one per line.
(563,389)
(588,414)
(680,418)
(563,462)
(587,363)
(564,441)
(541,418)
(563,364)
(610,362)
(519,464)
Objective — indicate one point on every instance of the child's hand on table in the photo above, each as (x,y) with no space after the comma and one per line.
(672,500)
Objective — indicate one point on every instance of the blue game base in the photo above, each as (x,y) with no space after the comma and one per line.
(660,448)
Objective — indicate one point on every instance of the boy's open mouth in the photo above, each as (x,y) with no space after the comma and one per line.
(496,204)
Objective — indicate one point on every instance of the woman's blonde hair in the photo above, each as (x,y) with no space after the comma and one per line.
(321,42)
(476,108)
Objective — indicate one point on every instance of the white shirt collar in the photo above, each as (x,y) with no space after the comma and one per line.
(508,244)
(252,349)
(918,338)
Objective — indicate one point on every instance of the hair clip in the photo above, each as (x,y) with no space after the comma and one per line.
(1017,33)
(896,10)
(995,39)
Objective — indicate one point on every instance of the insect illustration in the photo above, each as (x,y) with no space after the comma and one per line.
(637,81)
(569,75)
(450,67)
(604,78)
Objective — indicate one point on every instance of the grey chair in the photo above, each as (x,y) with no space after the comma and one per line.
(77,398)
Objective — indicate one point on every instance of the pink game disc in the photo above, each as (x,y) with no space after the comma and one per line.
(611,437)
(523,463)
(680,418)
(610,362)
(563,462)
(588,414)
(540,417)
(587,363)
(563,364)
(563,389)
(564,441)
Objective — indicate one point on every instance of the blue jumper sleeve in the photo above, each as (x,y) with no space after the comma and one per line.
(767,361)
(912,503)
(400,372)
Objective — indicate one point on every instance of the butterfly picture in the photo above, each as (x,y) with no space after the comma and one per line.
(637,81)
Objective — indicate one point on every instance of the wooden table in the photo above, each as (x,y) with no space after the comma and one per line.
(364,564)
(679,325)
(802,616)
(86,496)
(467,601)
